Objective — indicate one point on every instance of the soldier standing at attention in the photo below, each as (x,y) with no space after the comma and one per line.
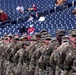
(56,43)
(64,50)
(70,61)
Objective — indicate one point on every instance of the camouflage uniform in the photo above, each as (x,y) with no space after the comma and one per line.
(70,60)
(21,59)
(36,54)
(2,44)
(70,63)
(55,43)
(63,50)
(43,61)
(16,47)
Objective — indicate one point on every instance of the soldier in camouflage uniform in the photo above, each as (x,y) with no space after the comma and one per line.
(15,47)
(45,50)
(63,51)
(35,42)
(19,55)
(8,62)
(21,59)
(70,60)
(59,34)
(37,50)
(55,43)
(24,37)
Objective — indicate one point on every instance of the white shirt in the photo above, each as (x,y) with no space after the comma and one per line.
(30,19)
(20,8)
(42,18)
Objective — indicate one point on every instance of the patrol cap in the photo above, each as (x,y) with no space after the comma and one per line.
(48,38)
(26,43)
(33,38)
(24,36)
(49,35)
(6,38)
(44,33)
(60,32)
(54,40)
(38,34)
(43,30)
(10,35)
(16,37)
(65,39)
(72,32)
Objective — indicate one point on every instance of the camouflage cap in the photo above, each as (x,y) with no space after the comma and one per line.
(66,36)
(43,30)
(27,43)
(44,33)
(72,32)
(65,39)
(38,34)
(53,39)
(16,37)
(33,38)
(6,38)
(24,36)
(60,32)
(10,35)
(48,38)
(49,35)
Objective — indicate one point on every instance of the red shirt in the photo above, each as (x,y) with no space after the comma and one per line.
(3,17)
(30,30)
(34,8)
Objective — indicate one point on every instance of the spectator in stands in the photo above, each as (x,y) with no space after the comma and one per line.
(23,30)
(74,11)
(37,16)
(30,18)
(20,8)
(60,2)
(33,8)
(31,30)
(42,18)
(3,16)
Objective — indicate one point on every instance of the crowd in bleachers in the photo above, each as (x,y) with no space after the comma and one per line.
(20,8)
